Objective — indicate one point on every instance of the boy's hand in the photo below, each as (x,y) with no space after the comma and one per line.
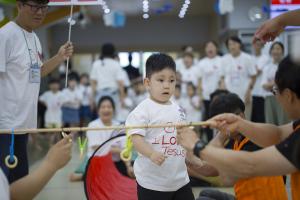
(157,157)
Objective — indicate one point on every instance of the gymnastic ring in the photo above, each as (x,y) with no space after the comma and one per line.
(11,166)
(124,157)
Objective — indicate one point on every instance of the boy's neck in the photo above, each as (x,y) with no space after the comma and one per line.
(159,102)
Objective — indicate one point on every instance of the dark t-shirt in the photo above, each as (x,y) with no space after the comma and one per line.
(290,147)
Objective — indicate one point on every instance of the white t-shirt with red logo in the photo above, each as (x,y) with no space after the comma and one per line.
(237,73)
(172,174)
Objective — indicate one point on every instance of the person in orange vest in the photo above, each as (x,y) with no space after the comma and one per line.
(281,153)
(263,187)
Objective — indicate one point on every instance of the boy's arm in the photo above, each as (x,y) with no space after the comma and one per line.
(146,150)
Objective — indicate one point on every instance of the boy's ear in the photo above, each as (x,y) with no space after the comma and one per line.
(147,82)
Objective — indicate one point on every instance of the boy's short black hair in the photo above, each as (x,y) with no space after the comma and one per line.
(191,84)
(35,1)
(217,93)
(53,80)
(158,62)
(235,39)
(288,75)
(188,54)
(84,75)
(226,103)
(178,86)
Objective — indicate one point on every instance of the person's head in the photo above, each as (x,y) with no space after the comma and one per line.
(257,46)
(31,13)
(84,79)
(108,51)
(234,45)
(54,85)
(188,59)
(287,87)
(217,93)
(72,82)
(177,93)
(106,109)
(187,48)
(227,103)
(160,77)
(277,52)
(211,49)
(191,89)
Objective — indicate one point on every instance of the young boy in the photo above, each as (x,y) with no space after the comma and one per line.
(160,168)
(52,99)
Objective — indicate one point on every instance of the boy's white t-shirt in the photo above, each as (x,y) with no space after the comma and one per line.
(53,102)
(261,62)
(71,98)
(4,187)
(86,93)
(19,93)
(96,138)
(237,72)
(172,174)
(210,72)
(192,114)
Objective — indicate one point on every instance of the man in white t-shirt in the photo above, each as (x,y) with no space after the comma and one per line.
(238,70)
(21,69)
(160,167)
(258,93)
(107,76)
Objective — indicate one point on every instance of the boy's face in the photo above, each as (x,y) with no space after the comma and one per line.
(72,84)
(210,50)
(54,87)
(234,47)
(32,13)
(84,80)
(161,85)
(190,91)
(188,61)
(177,93)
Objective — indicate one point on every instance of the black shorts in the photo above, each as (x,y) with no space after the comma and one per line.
(184,193)
(20,151)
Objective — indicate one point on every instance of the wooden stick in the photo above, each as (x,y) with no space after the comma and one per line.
(120,127)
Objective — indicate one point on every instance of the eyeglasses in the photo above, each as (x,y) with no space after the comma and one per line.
(274,90)
(36,8)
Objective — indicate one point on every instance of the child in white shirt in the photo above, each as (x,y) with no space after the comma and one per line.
(71,103)
(126,109)
(160,168)
(192,104)
(52,99)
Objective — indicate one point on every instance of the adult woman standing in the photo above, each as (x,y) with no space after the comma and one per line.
(273,111)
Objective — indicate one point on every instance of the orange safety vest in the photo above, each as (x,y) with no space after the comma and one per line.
(264,187)
(295,180)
